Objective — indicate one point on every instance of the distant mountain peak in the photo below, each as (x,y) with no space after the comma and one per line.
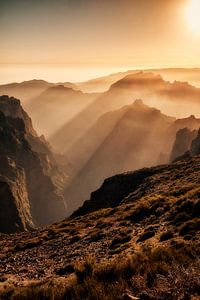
(61,88)
(138,102)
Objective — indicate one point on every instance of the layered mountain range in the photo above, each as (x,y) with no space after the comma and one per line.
(130,138)
(71,112)
(114,213)
(56,106)
(102,84)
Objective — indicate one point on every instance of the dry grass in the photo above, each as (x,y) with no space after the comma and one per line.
(150,270)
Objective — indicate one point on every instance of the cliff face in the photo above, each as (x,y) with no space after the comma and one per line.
(15,212)
(182,144)
(195,147)
(12,107)
(30,196)
(186,145)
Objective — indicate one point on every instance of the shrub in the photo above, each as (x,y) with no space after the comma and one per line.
(190,227)
(166,236)
(119,240)
(145,236)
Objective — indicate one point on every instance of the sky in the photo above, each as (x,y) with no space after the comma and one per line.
(98,34)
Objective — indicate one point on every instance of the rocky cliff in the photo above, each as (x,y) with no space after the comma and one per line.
(183,141)
(186,145)
(195,147)
(30,196)
(15,214)
(11,106)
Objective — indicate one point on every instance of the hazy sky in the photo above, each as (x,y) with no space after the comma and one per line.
(98,32)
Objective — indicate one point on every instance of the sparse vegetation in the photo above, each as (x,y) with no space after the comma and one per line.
(110,279)
(148,245)
(166,235)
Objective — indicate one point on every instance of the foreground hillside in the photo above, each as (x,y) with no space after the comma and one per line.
(139,234)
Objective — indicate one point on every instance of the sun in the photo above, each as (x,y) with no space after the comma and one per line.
(193,15)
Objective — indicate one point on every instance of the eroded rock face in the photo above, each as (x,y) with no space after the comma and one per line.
(30,196)
(11,107)
(182,144)
(15,212)
(195,147)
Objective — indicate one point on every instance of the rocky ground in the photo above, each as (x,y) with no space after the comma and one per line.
(146,243)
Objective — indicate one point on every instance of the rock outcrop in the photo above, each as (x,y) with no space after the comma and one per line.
(170,179)
(186,145)
(12,107)
(30,196)
(115,189)
(183,141)
(15,214)
(195,147)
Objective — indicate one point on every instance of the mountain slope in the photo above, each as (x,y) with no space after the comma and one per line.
(155,91)
(56,106)
(182,144)
(147,236)
(102,84)
(31,183)
(28,90)
(195,146)
(133,137)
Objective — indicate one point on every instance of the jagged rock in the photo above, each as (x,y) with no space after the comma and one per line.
(185,156)
(182,144)
(11,107)
(30,196)
(15,212)
(195,147)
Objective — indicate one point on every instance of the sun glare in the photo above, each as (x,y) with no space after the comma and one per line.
(193,15)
